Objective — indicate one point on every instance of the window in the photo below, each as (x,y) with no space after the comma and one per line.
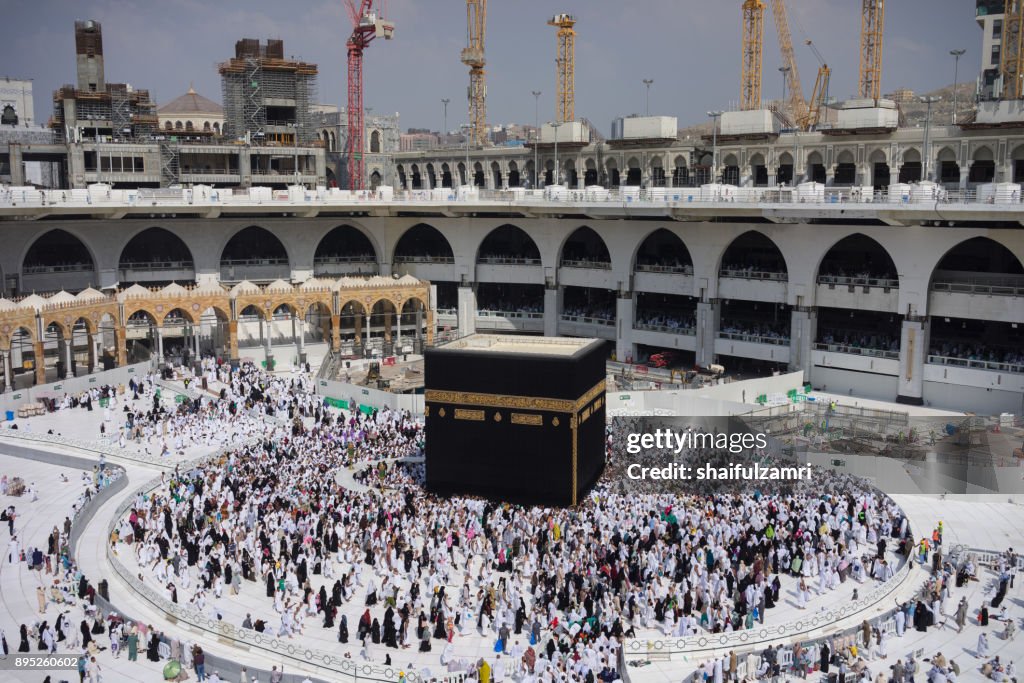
(997,28)
(995,55)
(9,116)
(168,126)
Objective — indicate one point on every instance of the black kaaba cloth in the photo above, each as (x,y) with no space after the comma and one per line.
(515,418)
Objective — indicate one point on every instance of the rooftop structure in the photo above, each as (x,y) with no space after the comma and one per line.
(266,96)
(191,114)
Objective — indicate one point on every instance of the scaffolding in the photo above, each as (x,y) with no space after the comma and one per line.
(258,75)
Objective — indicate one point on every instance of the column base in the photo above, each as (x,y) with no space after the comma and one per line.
(302,357)
(910,400)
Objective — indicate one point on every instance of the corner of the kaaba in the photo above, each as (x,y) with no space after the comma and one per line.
(518,427)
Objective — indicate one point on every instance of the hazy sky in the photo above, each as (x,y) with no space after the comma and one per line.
(691,48)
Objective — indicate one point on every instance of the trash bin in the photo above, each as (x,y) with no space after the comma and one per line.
(9,415)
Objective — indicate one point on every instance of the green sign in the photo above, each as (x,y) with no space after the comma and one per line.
(57,387)
(131,371)
(323,383)
(92,380)
(624,397)
(839,463)
(366,392)
(16,396)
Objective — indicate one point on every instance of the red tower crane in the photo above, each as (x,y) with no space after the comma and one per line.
(367,24)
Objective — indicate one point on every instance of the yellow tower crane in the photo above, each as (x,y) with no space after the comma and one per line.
(473,57)
(819,96)
(796,102)
(565,104)
(1011,57)
(872,24)
(753,49)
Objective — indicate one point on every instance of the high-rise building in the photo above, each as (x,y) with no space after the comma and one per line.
(268,98)
(989,15)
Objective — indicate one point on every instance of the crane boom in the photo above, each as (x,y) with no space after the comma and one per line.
(753,50)
(872,23)
(1011,57)
(473,56)
(797,103)
(367,24)
(565,103)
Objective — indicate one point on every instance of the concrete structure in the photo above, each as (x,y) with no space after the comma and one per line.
(882,299)
(382,140)
(989,15)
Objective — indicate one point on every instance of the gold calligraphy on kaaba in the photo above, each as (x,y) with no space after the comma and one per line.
(538,403)
(464,414)
(532,420)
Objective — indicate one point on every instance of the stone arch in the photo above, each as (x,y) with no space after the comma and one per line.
(868,253)
(422,241)
(767,255)
(252,310)
(58,247)
(508,242)
(184,313)
(253,242)
(662,248)
(155,238)
(983,165)
(982,255)
(375,142)
(584,244)
(346,243)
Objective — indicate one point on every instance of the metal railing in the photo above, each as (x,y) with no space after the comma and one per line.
(587,320)
(650,327)
(410,258)
(230,263)
(753,275)
(1000,286)
(58,268)
(447,311)
(857,350)
(512,315)
(653,268)
(156,265)
(856,281)
(360,258)
(975,364)
(754,338)
(594,265)
(509,261)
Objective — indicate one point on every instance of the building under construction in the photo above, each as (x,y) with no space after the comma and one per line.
(268,98)
(94,109)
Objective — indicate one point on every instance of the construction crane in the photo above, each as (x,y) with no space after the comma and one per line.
(872,23)
(1011,56)
(819,97)
(473,57)
(753,49)
(797,104)
(367,24)
(565,103)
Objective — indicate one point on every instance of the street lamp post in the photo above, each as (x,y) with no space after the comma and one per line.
(929,100)
(784,70)
(647,108)
(558,172)
(957,54)
(444,130)
(536,133)
(714,143)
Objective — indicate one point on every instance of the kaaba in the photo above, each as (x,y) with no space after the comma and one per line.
(515,418)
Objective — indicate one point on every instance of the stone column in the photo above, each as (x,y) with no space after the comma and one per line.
(467,310)
(92,352)
(624,326)
(8,373)
(709,315)
(68,371)
(965,173)
(196,333)
(369,335)
(300,339)
(398,332)
(913,354)
(121,340)
(39,362)
(335,333)
(267,351)
(552,310)
(159,344)
(17,165)
(233,340)
(801,341)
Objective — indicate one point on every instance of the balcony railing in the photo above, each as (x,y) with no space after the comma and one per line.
(596,265)
(753,275)
(157,265)
(447,311)
(754,338)
(58,268)
(976,364)
(508,261)
(651,327)
(674,270)
(996,286)
(587,320)
(364,258)
(410,258)
(512,315)
(855,281)
(858,351)
(227,263)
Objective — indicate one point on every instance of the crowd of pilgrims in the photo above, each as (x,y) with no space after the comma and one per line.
(557,589)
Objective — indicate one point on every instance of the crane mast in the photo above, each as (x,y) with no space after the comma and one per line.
(872,23)
(753,49)
(565,103)
(473,57)
(1011,57)
(367,24)
(797,103)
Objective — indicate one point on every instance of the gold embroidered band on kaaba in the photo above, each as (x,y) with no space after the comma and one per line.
(553,405)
